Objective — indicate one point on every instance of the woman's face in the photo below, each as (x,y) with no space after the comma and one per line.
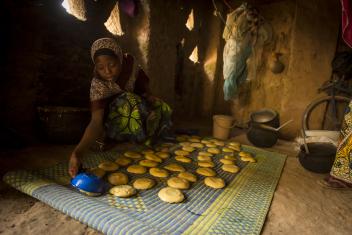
(107,67)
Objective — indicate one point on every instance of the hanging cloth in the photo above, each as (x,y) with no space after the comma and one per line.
(346,22)
(243,28)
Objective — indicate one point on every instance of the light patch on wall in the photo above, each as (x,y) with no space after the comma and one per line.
(75,8)
(194,56)
(210,67)
(190,21)
(113,23)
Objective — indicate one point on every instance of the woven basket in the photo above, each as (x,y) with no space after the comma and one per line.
(60,124)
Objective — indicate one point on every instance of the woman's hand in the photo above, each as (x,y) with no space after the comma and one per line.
(74,164)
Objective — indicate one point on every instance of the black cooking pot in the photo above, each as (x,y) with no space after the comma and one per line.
(262,124)
(320,158)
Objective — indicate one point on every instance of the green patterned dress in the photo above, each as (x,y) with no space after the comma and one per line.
(129,115)
(132,117)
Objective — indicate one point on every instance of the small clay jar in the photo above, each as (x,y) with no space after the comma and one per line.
(276,66)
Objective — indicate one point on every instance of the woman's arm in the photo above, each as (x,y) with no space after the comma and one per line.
(93,131)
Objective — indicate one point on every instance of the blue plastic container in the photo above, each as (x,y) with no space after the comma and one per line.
(89,184)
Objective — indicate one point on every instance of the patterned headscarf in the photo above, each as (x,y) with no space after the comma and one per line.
(106,46)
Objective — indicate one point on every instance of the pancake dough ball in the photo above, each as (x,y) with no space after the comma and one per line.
(133,155)
(179,183)
(213,150)
(229,157)
(248,159)
(123,191)
(143,183)
(148,163)
(171,195)
(219,143)
(136,169)
(205,154)
(205,141)
(206,164)
(163,155)
(206,171)
(188,176)
(230,168)
(226,161)
(181,153)
(153,157)
(108,166)
(214,182)
(148,151)
(238,149)
(123,161)
(194,140)
(188,148)
(227,150)
(97,172)
(235,144)
(197,145)
(158,172)
(118,178)
(183,159)
(174,167)
(183,144)
(210,145)
(203,158)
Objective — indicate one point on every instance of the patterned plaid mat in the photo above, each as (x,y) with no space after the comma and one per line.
(239,208)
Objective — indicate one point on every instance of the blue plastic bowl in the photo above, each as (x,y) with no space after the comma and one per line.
(89,183)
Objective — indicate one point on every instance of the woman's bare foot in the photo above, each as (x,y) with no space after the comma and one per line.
(333,183)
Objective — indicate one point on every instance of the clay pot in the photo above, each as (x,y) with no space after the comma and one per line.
(262,126)
(276,66)
(320,158)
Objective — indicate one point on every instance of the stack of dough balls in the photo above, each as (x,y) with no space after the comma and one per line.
(247,157)
(235,146)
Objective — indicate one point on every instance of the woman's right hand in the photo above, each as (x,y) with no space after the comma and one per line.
(74,164)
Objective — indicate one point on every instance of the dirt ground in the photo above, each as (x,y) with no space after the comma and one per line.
(300,205)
